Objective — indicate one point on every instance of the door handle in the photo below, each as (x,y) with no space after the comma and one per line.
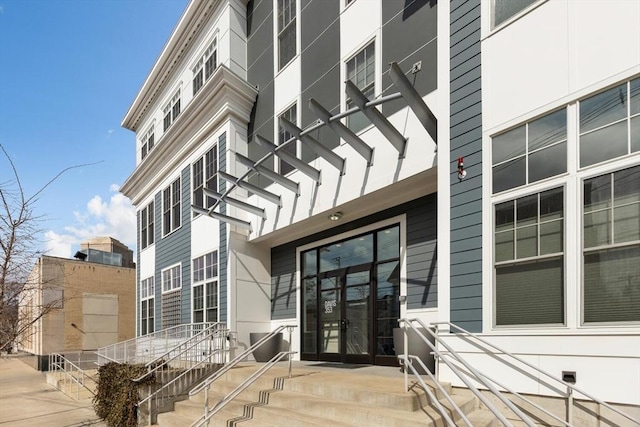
(344,324)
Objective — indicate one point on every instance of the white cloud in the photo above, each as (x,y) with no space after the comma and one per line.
(114,217)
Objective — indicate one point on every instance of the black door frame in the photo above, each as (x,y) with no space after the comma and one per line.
(343,355)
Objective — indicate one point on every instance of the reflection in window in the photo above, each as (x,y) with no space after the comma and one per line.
(531,152)
(505,9)
(611,240)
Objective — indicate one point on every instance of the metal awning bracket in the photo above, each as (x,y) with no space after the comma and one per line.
(303,167)
(267,195)
(221,217)
(273,176)
(237,203)
(414,100)
(396,139)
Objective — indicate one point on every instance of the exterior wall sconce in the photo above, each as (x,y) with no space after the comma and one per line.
(335,216)
(461,172)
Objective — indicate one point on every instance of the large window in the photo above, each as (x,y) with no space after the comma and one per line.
(147,306)
(205,288)
(171,207)
(610,124)
(361,71)
(204,175)
(505,9)
(205,66)
(148,141)
(284,136)
(147,229)
(529,259)
(171,110)
(286,32)
(611,241)
(171,279)
(530,152)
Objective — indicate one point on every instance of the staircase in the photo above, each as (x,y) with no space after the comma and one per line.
(70,383)
(320,397)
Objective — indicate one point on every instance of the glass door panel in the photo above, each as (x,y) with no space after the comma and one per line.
(387,306)
(330,315)
(357,316)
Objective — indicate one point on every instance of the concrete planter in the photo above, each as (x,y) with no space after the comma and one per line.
(269,349)
(417,347)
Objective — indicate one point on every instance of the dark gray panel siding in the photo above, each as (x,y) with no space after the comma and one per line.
(408,36)
(320,63)
(466,141)
(421,257)
(260,73)
(175,248)
(222,251)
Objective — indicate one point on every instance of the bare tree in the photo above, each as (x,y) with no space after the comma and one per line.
(20,247)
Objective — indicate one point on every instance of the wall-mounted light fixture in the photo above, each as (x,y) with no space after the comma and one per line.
(461,172)
(335,216)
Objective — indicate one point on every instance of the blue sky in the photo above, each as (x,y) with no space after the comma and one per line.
(69,70)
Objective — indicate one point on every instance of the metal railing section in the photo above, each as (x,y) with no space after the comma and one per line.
(468,374)
(567,391)
(182,366)
(73,377)
(206,385)
(150,347)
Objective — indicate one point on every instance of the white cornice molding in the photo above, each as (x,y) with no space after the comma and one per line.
(183,36)
(223,97)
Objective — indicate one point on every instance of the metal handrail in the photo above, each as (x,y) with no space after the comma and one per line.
(407,362)
(469,384)
(208,414)
(241,357)
(570,387)
(131,348)
(188,352)
(55,360)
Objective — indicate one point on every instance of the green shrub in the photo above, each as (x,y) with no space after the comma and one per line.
(117,396)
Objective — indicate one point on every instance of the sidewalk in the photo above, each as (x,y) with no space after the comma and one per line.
(27,400)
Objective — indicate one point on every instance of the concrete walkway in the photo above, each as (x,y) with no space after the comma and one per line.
(27,400)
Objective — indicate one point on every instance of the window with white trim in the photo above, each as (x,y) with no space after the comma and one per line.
(171,198)
(361,70)
(147,228)
(531,152)
(148,141)
(529,259)
(611,247)
(610,123)
(505,9)
(171,278)
(205,66)
(290,114)
(204,175)
(147,306)
(205,288)
(287,45)
(171,110)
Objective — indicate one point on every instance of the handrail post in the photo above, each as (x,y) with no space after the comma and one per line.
(206,403)
(569,405)
(436,357)
(290,344)
(406,357)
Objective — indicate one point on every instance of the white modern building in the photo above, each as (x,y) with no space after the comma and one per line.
(492,182)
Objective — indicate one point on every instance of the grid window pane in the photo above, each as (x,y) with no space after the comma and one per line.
(603,108)
(603,144)
(551,237)
(504,246)
(527,242)
(548,130)
(509,145)
(509,175)
(505,9)
(548,162)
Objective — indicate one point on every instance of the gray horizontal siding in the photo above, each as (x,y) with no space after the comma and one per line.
(466,141)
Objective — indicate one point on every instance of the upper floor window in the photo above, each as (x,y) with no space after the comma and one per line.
(171,278)
(611,242)
(505,9)
(171,198)
(286,32)
(204,175)
(610,123)
(171,110)
(530,152)
(147,306)
(205,66)
(148,141)
(361,70)
(283,136)
(147,229)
